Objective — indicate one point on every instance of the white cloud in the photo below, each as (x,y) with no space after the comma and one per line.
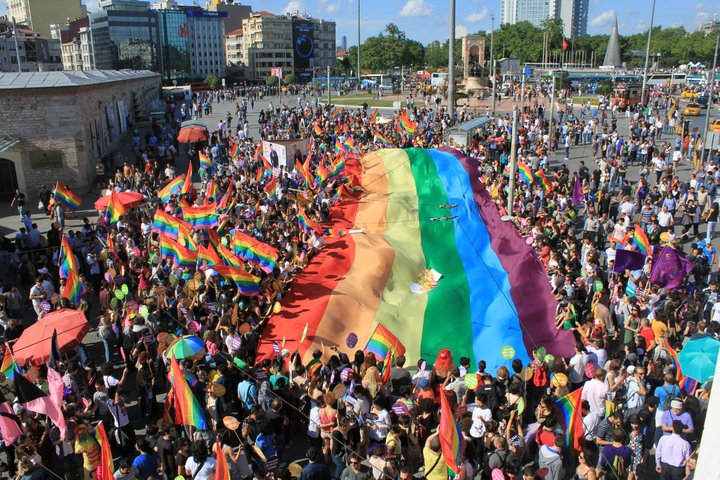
(416,8)
(293,6)
(461,31)
(605,18)
(92,5)
(477,17)
(702,15)
(329,6)
(699,6)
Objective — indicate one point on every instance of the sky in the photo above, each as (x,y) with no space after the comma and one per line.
(428,20)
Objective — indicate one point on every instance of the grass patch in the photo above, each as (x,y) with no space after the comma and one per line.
(341,101)
(584,99)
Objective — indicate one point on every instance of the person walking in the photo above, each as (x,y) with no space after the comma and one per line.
(672,453)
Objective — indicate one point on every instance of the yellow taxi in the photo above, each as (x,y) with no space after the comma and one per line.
(715,125)
(692,110)
(688,94)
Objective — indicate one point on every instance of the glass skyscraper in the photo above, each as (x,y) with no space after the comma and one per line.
(174,38)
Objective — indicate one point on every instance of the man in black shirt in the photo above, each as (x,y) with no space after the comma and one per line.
(19,202)
(315,469)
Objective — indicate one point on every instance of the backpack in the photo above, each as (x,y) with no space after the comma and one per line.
(668,399)
(540,376)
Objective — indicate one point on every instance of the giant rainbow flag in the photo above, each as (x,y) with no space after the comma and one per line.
(422,209)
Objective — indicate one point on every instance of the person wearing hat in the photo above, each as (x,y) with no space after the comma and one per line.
(672,453)
(676,414)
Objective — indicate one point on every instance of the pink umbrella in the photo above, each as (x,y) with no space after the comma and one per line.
(128,199)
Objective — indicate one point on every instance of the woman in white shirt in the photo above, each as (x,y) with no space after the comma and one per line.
(199,466)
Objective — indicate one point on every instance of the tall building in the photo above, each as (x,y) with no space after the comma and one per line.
(207,43)
(236,13)
(533,11)
(38,15)
(710,25)
(69,36)
(233,47)
(35,52)
(125,35)
(175,45)
(574,14)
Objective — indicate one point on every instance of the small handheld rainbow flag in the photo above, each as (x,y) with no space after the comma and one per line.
(271,188)
(373,116)
(570,406)
(317,129)
(407,125)
(226,198)
(525,173)
(68,262)
(115,209)
(106,459)
(228,256)
(641,241)
(165,223)
(211,192)
(9,365)
(452,441)
(381,341)
(384,141)
(248,285)
(74,288)
(66,197)
(543,180)
(205,162)
(204,216)
(180,255)
(208,255)
(675,361)
(336,170)
(307,224)
(234,149)
(187,182)
(187,408)
(171,188)
(255,251)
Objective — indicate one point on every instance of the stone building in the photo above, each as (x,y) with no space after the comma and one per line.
(64,122)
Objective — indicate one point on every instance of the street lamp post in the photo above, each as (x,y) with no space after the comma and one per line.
(552,106)
(492,62)
(358,46)
(451,64)
(647,53)
(712,91)
(513,163)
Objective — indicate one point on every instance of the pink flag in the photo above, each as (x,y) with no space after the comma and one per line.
(11,429)
(577,196)
(51,405)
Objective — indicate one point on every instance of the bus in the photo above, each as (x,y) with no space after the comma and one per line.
(439,79)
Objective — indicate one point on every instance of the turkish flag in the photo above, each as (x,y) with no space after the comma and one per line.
(566,44)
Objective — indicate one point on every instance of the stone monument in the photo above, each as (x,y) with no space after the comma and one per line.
(473,57)
(612,53)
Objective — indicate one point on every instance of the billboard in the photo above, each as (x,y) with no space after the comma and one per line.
(303,49)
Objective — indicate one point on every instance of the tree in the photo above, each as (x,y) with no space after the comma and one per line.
(213,81)
(389,49)
(271,80)
(290,79)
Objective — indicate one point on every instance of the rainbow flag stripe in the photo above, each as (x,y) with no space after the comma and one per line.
(222,472)
(255,251)
(9,365)
(379,138)
(234,149)
(336,170)
(68,261)
(211,192)
(675,361)
(66,197)
(381,341)
(525,173)
(248,285)
(205,162)
(489,272)
(74,288)
(543,180)
(106,459)
(180,255)
(204,216)
(306,223)
(270,188)
(165,223)
(452,441)
(569,406)
(228,256)
(407,125)
(317,129)
(208,255)
(171,188)
(187,407)
(115,209)
(641,241)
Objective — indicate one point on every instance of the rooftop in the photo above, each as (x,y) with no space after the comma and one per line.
(64,79)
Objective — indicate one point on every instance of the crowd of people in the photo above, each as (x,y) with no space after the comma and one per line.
(336,413)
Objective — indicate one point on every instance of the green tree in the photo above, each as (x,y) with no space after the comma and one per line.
(522,40)
(390,49)
(290,79)
(213,81)
(271,80)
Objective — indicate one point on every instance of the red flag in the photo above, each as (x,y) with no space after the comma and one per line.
(566,44)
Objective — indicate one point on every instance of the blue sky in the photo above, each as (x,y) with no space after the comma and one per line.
(427,20)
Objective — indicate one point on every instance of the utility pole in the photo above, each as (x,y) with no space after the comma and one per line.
(522,96)
(492,62)
(647,53)
(328,84)
(451,64)
(17,49)
(513,163)
(359,74)
(710,99)
(552,106)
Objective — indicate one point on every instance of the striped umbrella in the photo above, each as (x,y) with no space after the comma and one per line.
(185,346)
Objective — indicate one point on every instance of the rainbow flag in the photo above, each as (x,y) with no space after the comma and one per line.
(229,258)
(205,162)
(66,197)
(211,192)
(675,361)
(384,141)
(187,181)
(106,459)
(543,180)
(641,241)
(68,262)
(222,472)
(569,407)
(525,173)
(336,170)
(255,251)
(381,341)
(452,441)
(306,223)
(373,116)
(317,129)
(337,113)
(226,198)
(483,260)
(74,288)
(339,147)
(234,149)
(204,216)
(387,367)
(248,285)
(171,188)
(407,125)
(185,235)
(331,232)
(180,255)
(187,408)
(270,188)
(165,223)
(115,209)
(208,255)
(9,366)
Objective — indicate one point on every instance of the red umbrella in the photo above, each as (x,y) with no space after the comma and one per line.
(193,134)
(33,346)
(129,199)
